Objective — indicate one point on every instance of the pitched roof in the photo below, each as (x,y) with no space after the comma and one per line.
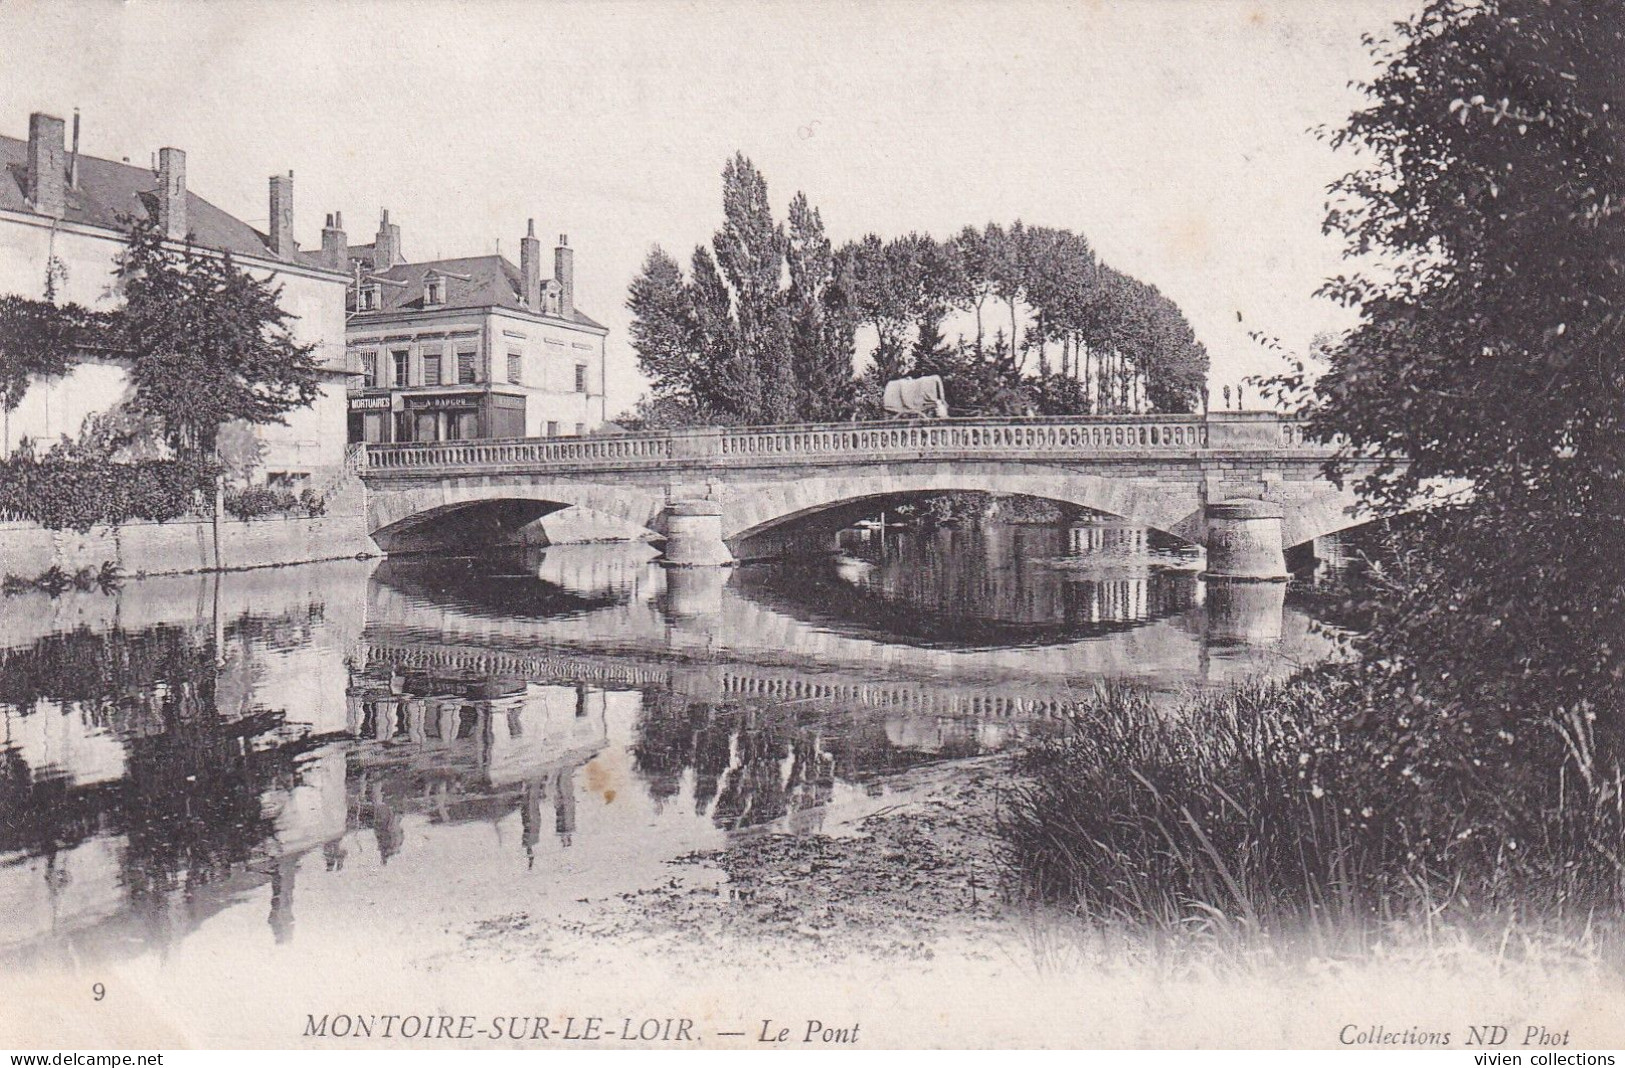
(471,282)
(108,190)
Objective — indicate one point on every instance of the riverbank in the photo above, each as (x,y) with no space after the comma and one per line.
(894,883)
(903,920)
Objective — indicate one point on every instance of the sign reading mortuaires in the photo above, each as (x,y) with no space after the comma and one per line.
(369,404)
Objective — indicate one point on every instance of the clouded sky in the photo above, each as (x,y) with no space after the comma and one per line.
(1172,133)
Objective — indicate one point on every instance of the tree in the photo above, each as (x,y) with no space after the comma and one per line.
(821,335)
(885,281)
(750,254)
(208,342)
(764,330)
(729,388)
(973,253)
(1489,355)
(663,329)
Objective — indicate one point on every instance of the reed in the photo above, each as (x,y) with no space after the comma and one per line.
(1264,810)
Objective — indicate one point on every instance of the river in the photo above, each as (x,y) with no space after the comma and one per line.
(206,764)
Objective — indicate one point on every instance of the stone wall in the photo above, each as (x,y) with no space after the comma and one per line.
(181,546)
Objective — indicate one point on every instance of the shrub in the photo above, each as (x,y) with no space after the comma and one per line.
(254,502)
(65,490)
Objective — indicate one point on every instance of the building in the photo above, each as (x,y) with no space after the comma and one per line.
(475,347)
(61,217)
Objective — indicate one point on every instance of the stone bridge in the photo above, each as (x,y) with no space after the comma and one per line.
(1245,485)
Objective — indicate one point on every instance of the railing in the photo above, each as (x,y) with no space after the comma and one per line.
(999,436)
(521,452)
(1066,437)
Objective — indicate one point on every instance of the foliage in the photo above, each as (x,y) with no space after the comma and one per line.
(1263,809)
(255,502)
(750,251)
(660,413)
(732,343)
(1094,340)
(821,324)
(1469,758)
(76,487)
(1488,356)
(40,339)
(208,342)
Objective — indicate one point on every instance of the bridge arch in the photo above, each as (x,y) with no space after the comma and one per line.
(754,510)
(1321,514)
(397,514)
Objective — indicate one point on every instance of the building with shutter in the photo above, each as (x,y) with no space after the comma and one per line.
(474,347)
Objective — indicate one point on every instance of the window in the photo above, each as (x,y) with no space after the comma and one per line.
(552,428)
(403,362)
(434,291)
(466,372)
(516,367)
(581,378)
(367,299)
(369,370)
(431,369)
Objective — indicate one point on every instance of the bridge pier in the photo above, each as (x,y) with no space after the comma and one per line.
(694,535)
(1244,541)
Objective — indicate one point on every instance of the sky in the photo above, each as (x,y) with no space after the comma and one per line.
(1174,134)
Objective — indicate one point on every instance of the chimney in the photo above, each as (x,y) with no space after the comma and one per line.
(564,270)
(47,175)
(172,193)
(282,245)
(530,268)
(386,248)
(335,245)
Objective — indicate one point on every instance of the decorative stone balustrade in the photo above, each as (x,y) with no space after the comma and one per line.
(1012,438)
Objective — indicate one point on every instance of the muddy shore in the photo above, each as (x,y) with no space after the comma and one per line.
(894,883)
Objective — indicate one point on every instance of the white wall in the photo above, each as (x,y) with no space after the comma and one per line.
(86,256)
(551,352)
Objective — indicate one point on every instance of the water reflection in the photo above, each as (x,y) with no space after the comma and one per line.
(987,584)
(286,743)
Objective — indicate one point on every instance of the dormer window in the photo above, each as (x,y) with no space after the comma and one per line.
(434,291)
(369,297)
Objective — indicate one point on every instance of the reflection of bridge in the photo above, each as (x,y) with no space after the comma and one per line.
(720,683)
(742,485)
(706,616)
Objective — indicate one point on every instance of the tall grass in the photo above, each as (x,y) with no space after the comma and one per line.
(1264,810)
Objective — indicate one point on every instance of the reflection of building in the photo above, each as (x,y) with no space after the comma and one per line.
(456,749)
(466,348)
(62,228)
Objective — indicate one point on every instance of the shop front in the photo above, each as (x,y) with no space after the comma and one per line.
(370,418)
(403,416)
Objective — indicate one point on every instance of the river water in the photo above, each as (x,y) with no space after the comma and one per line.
(209,764)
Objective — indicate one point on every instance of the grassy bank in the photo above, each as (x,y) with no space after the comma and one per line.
(1281,808)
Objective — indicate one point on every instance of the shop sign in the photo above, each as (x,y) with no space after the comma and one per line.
(370,404)
(469,403)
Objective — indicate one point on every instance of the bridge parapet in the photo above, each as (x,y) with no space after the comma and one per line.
(519,452)
(842,443)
